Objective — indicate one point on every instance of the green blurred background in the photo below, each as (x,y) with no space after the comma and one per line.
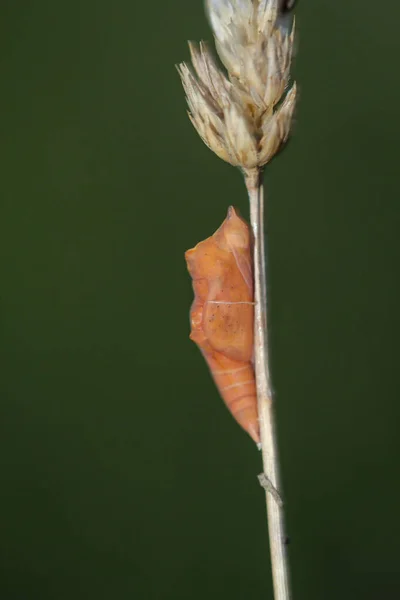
(123,475)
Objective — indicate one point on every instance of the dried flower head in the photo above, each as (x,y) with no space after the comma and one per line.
(244,117)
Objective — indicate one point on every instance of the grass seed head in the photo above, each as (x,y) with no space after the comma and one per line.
(244,116)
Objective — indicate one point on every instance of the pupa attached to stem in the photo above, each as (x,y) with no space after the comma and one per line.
(244,114)
(222,315)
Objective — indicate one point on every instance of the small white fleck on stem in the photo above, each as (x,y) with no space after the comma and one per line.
(275,509)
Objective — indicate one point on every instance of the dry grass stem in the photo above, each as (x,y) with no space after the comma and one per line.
(244,114)
(269,449)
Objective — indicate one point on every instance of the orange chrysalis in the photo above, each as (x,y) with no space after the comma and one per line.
(222,315)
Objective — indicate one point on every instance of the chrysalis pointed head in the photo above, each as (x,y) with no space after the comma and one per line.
(237,234)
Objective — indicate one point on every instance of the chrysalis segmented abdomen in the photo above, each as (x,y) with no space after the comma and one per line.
(236,383)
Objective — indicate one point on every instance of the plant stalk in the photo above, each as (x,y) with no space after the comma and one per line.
(271,475)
